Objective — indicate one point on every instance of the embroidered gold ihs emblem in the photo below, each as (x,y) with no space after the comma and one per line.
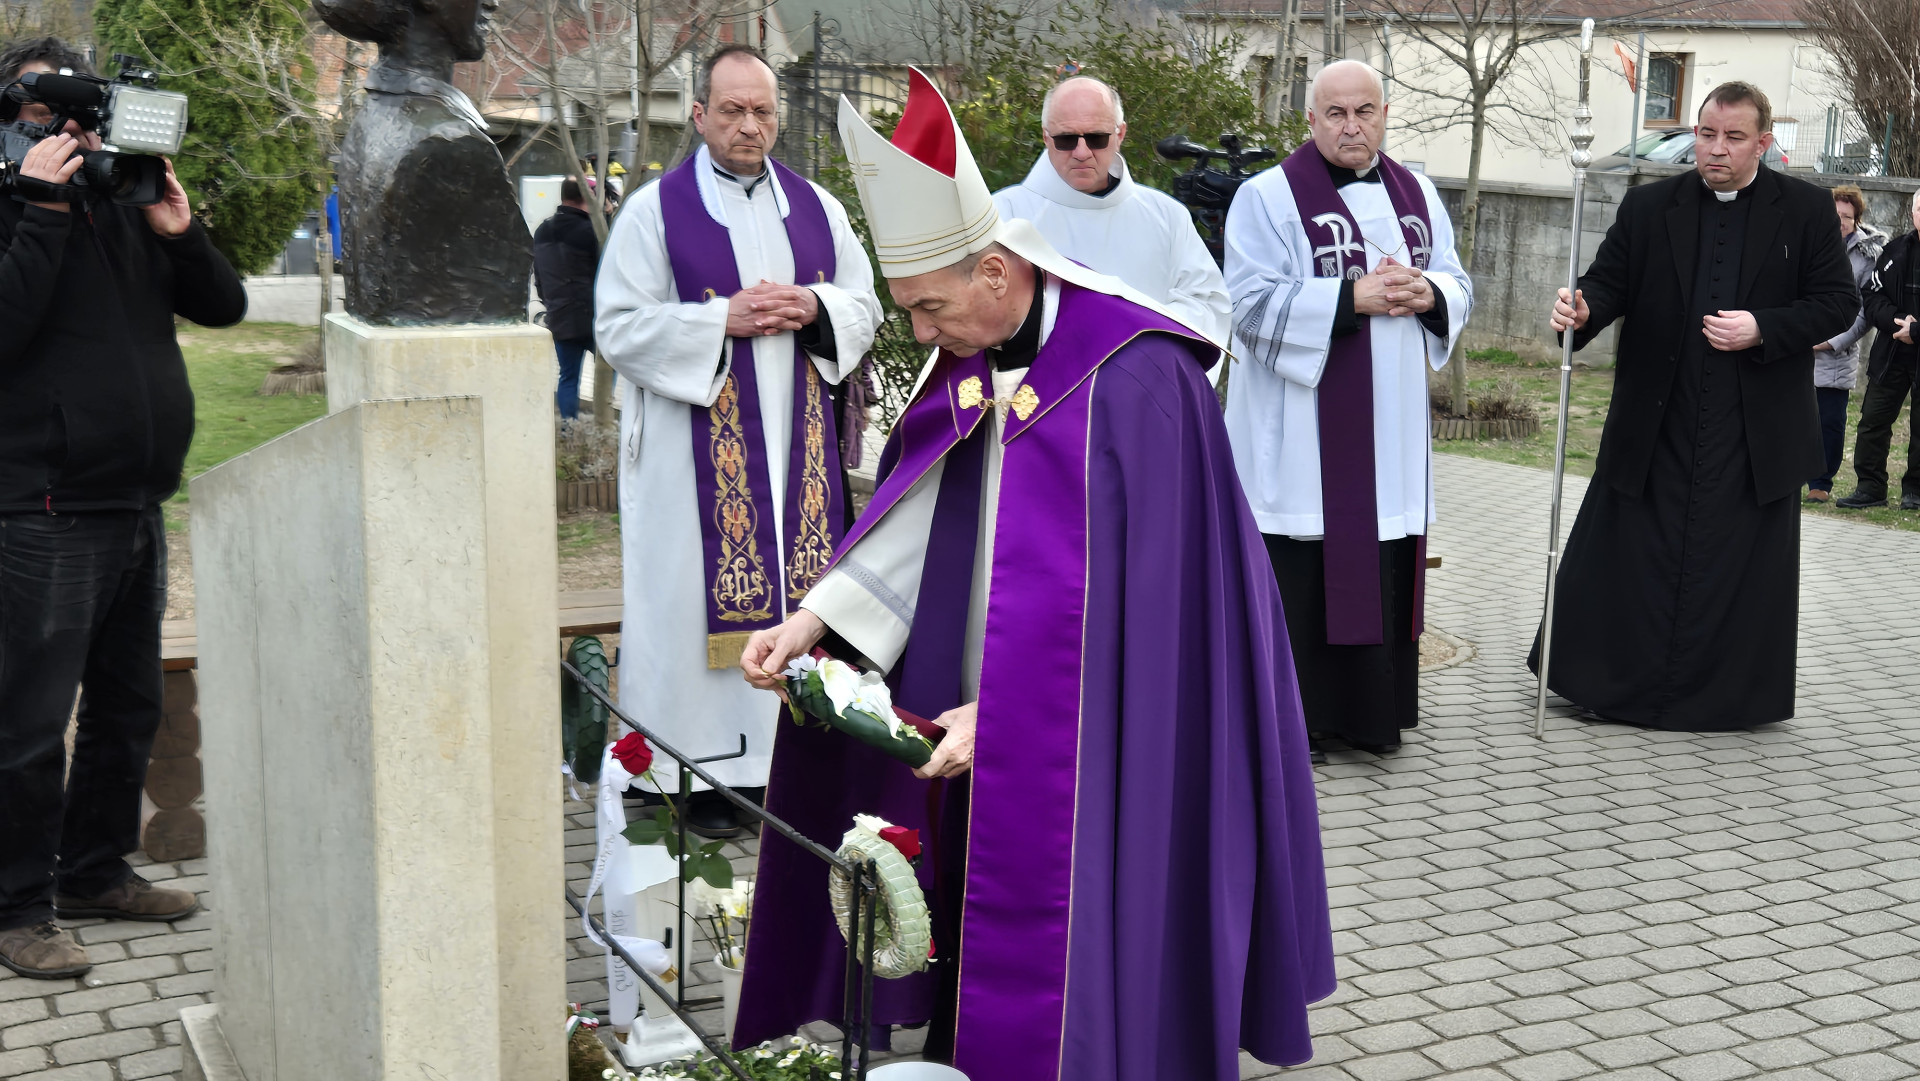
(1023,402)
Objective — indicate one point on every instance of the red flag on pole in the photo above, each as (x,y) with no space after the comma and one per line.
(1633,81)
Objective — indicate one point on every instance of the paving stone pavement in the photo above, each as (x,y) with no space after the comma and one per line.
(1609,903)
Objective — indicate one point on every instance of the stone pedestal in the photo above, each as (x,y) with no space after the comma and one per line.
(347,694)
(510,369)
(379,685)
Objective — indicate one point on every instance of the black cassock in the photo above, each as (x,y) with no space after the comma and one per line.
(1678,595)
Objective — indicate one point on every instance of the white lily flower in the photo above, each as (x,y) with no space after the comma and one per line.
(875,698)
(841,684)
(800,666)
(872,823)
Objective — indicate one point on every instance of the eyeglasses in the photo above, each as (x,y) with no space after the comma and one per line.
(1096,140)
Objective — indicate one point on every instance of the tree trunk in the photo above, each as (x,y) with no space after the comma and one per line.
(324,246)
(1469,224)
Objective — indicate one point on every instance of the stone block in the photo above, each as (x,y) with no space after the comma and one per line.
(510,369)
(352,729)
(180,694)
(176,834)
(173,782)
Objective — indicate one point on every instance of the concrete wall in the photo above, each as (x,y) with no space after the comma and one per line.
(342,608)
(1520,255)
(292,298)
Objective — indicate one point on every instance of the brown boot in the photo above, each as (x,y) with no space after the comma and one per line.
(43,951)
(134,899)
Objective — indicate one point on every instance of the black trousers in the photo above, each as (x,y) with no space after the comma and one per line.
(81,599)
(1833,432)
(1879,408)
(1362,694)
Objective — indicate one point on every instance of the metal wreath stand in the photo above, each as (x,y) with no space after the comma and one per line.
(864,876)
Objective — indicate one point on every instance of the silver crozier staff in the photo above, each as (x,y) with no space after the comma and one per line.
(1581,158)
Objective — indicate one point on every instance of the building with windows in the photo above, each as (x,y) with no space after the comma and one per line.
(1688,49)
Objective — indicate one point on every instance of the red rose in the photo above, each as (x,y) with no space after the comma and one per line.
(902,838)
(633,753)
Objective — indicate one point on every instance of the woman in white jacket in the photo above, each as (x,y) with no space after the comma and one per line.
(1836,362)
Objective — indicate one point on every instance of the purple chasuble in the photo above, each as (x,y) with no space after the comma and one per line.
(1134,649)
(744,592)
(1349,511)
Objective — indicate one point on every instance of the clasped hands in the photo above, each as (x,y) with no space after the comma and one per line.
(765,660)
(770,308)
(1393,289)
(1726,331)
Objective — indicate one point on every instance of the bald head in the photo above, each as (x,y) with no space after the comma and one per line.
(1080,112)
(1347,112)
(1083,90)
(1348,75)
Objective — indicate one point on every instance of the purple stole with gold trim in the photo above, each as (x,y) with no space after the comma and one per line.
(744,591)
(1348,496)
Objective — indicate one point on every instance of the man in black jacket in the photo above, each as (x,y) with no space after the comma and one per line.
(95,418)
(1678,598)
(566,255)
(1891,303)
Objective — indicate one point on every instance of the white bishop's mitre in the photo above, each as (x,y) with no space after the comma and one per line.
(928,207)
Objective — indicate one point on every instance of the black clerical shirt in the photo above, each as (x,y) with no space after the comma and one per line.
(1019,350)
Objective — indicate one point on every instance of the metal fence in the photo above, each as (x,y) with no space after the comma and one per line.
(811,86)
(857,1001)
(1849,148)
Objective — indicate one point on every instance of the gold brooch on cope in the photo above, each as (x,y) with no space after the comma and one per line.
(1023,402)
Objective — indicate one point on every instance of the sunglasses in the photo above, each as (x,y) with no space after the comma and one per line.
(1096,140)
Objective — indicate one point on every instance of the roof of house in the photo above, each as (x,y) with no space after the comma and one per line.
(1742,13)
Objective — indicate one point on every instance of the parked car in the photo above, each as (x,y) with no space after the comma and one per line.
(1673,147)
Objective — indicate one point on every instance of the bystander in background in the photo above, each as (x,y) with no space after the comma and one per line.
(1836,362)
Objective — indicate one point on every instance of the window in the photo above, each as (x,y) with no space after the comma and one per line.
(1666,84)
(1297,86)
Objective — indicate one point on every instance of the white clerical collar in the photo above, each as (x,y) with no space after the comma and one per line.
(1371,164)
(1046,182)
(1730,196)
(704,178)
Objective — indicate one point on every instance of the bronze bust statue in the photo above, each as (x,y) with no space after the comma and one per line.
(431,231)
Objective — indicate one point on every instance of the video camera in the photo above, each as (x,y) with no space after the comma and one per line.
(1207,191)
(134,118)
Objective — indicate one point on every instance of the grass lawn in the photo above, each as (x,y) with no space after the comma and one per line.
(226,368)
(1592,388)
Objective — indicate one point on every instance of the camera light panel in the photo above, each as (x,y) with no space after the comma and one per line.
(146,120)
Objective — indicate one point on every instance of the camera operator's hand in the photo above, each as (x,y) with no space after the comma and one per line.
(54,159)
(172,215)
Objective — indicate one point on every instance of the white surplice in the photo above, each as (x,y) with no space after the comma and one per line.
(675,356)
(870,596)
(1137,234)
(1283,327)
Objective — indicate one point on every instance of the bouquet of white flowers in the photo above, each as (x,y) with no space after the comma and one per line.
(859,704)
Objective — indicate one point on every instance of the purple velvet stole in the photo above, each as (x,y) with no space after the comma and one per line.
(730,474)
(1348,496)
(1019,868)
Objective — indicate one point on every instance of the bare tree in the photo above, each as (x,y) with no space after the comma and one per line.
(36,18)
(588,57)
(1880,80)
